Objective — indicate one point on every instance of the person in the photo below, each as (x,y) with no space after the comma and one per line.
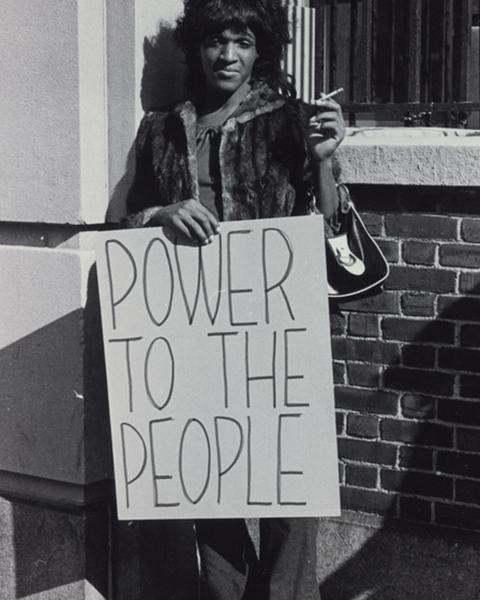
(240,147)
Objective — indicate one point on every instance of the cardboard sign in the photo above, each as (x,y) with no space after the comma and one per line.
(219,371)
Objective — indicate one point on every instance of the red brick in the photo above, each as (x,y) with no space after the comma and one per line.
(360,476)
(363,375)
(385,302)
(390,250)
(362,426)
(419,253)
(341,473)
(470,284)
(421,227)
(371,351)
(338,373)
(459,359)
(337,321)
(435,280)
(470,231)
(377,453)
(460,255)
(470,386)
(339,347)
(405,379)
(373,222)
(415,432)
(376,402)
(459,309)
(418,305)
(457,463)
(467,491)
(418,330)
(415,509)
(470,336)
(468,440)
(423,484)
(367,501)
(415,458)
(363,325)
(340,422)
(416,406)
(457,516)
(418,356)
(456,411)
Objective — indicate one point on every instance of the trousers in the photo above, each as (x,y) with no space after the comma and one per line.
(285,568)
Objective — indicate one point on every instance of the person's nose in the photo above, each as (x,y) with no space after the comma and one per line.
(228,53)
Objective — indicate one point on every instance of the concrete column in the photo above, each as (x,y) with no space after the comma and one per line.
(75,77)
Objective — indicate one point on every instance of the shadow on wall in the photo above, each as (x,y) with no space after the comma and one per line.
(162,83)
(413,559)
(42,445)
(56,551)
(150,559)
(55,425)
(163,70)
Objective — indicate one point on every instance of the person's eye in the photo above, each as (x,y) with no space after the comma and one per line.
(212,42)
(245,43)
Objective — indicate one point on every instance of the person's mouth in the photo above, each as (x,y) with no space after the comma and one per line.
(226,73)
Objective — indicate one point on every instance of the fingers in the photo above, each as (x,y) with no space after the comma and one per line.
(207,220)
(328,121)
(192,220)
(330,109)
(327,126)
(327,105)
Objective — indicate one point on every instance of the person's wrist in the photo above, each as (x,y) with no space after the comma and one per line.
(324,161)
(153,216)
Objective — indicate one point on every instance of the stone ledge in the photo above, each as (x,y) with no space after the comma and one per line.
(54,493)
(411,156)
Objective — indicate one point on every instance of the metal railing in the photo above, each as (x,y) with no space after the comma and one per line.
(391,56)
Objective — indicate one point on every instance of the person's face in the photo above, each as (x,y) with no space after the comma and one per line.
(227,59)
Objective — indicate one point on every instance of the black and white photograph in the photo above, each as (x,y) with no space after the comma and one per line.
(240,297)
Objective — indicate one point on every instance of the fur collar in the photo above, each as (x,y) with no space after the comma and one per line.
(260,99)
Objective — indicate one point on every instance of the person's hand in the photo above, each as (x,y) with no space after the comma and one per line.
(326,130)
(189,218)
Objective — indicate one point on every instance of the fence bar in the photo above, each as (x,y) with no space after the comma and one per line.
(392,51)
(361,50)
(343,28)
(447,52)
(414,51)
(462,49)
(300,54)
(321,58)
(333,27)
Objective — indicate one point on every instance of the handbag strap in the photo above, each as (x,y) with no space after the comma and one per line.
(345,200)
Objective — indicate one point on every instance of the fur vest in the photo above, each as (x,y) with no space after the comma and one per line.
(263,157)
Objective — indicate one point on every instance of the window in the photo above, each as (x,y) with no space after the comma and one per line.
(394,57)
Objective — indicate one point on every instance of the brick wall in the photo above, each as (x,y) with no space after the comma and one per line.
(407,362)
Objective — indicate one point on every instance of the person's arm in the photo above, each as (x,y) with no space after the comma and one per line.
(145,208)
(189,218)
(325,187)
(325,133)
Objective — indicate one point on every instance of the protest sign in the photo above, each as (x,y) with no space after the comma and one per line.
(219,371)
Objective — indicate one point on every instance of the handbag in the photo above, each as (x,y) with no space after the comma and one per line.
(356,267)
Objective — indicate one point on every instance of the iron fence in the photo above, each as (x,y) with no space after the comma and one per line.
(391,57)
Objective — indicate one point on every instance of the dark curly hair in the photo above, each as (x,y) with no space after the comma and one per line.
(267,19)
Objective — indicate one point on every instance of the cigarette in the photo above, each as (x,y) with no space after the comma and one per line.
(328,96)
